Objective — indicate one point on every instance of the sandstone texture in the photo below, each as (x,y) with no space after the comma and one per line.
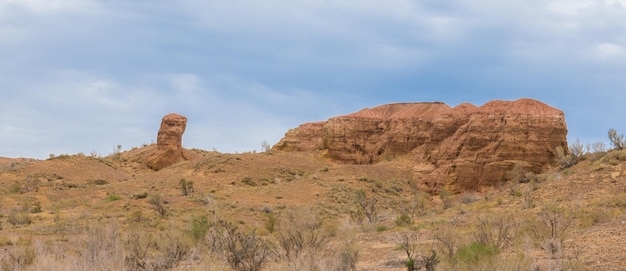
(169,143)
(465,147)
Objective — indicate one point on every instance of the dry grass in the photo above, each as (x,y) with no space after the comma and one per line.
(112,213)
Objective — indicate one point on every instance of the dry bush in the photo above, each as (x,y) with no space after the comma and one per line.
(101,248)
(414,259)
(146,252)
(448,237)
(564,159)
(367,206)
(302,239)
(19,217)
(243,251)
(347,257)
(18,259)
(158,204)
(617,140)
(498,231)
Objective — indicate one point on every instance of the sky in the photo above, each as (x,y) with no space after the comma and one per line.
(89,75)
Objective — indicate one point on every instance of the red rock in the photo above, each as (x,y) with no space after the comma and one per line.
(169,143)
(464,147)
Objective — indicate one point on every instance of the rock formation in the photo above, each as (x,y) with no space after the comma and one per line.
(169,142)
(464,147)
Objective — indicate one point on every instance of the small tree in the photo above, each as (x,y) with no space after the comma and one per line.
(617,140)
(367,205)
(266,146)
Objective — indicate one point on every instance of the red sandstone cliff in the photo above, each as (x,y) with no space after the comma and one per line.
(465,147)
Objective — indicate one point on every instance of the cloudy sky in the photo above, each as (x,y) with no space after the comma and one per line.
(88,75)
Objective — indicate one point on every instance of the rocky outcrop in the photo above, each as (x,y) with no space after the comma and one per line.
(169,143)
(464,147)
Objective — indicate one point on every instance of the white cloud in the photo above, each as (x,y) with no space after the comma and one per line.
(610,52)
(48,7)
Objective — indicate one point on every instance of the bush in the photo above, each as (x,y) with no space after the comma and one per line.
(243,251)
(367,205)
(475,252)
(141,195)
(199,228)
(415,261)
(302,240)
(617,140)
(186,187)
(18,218)
(158,204)
(404,221)
(113,197)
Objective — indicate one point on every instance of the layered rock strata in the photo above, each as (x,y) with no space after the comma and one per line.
(465,147)
(169,143)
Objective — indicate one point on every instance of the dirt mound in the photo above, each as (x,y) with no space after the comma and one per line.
(467,146)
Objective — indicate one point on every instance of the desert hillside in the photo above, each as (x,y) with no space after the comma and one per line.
(302,208)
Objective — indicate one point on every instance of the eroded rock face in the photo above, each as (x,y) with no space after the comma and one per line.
(464,147)
(169,142)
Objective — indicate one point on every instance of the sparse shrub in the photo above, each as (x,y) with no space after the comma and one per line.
(564,159)
(468,198)
(475,252)
(617,140)
(158,204)
(381,228)
(15,188)
(21,259)
(146,252)
(418,205)
(136,216)
(199,228)
(113,197)
(29,184)
(302,239)
(186,187)
(415,261)
(496,231)
(555,220)
(36,208)
(98,182)
(243,251)
(367,205)
(448,237)
(266,147)
(248,181)
(141,195)
(404,221)
(446,197)
(347,257)
(577,150)
(270,224)
(19,218)
(592,215)
(529,200)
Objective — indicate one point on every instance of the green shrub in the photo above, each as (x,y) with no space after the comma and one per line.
(113,197)
(199,228)
(404,221)
(475,252)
